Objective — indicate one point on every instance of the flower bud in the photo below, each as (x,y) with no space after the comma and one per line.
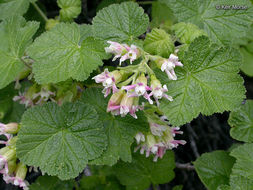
(21,170)
(114,102)
(11,128)
(126,105)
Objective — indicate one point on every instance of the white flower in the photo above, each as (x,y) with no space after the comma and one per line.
(169,65)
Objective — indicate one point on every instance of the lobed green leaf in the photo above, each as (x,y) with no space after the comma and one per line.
(207,83)
(60,140)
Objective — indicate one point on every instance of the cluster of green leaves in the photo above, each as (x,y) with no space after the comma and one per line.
(137,175)
(231,170)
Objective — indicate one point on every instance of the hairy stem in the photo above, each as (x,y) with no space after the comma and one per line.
(186,166)
(42,14)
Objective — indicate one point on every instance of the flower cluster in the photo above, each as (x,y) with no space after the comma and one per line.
(12,171)
(159,139)
(35,96)
(39,94)
(133,83)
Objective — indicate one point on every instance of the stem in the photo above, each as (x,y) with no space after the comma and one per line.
(26,64)
(145,2)
(42,14)
(186,166)
(150,71)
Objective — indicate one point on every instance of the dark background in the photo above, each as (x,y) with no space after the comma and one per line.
(203,134)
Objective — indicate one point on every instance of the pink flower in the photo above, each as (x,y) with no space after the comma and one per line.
(140,88)
(159,139)
(168,66)
(132,54)
(117,49)
(114,103)
(108,80)
(44,95)
(159,92)
(23,100)
(19,178)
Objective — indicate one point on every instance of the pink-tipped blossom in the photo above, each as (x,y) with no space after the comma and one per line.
(140,88)
(28,102)
(43,96)
(169,65)
(114,103)
(159,139)
(159,91)
(117,49)
(18,177)
(109,81)
(132,54)
(10,128)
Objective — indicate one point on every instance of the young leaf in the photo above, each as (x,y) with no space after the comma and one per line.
(241,122)
(221,25)
(214,168)
(15,34)
(162,16)
(142,172)
(69,9)
(207,83)
(120,131)
(60,140)
(10,8)
(159,42)
(60,55)
(187,32)
(244,161)
(51,183)
(120,22)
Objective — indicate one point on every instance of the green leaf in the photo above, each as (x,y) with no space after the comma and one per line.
(244,161)
(162,16)
(69,9)
(120,22)
(224,187)
(15,34)
(120,130)
(214,168)
(241,122)
(158,42)
(187,32)
(95,182)
(51,183)
(247,65)
(207,83)
(11,8)
(238,182)
(60,140)
(221,25)
(142,172)
(60,55)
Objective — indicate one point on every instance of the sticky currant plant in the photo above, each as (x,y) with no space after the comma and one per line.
(102,102)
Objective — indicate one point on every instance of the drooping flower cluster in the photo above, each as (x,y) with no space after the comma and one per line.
(12,171)
(131,84)
(38,94)
(35,96)
(159,139)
